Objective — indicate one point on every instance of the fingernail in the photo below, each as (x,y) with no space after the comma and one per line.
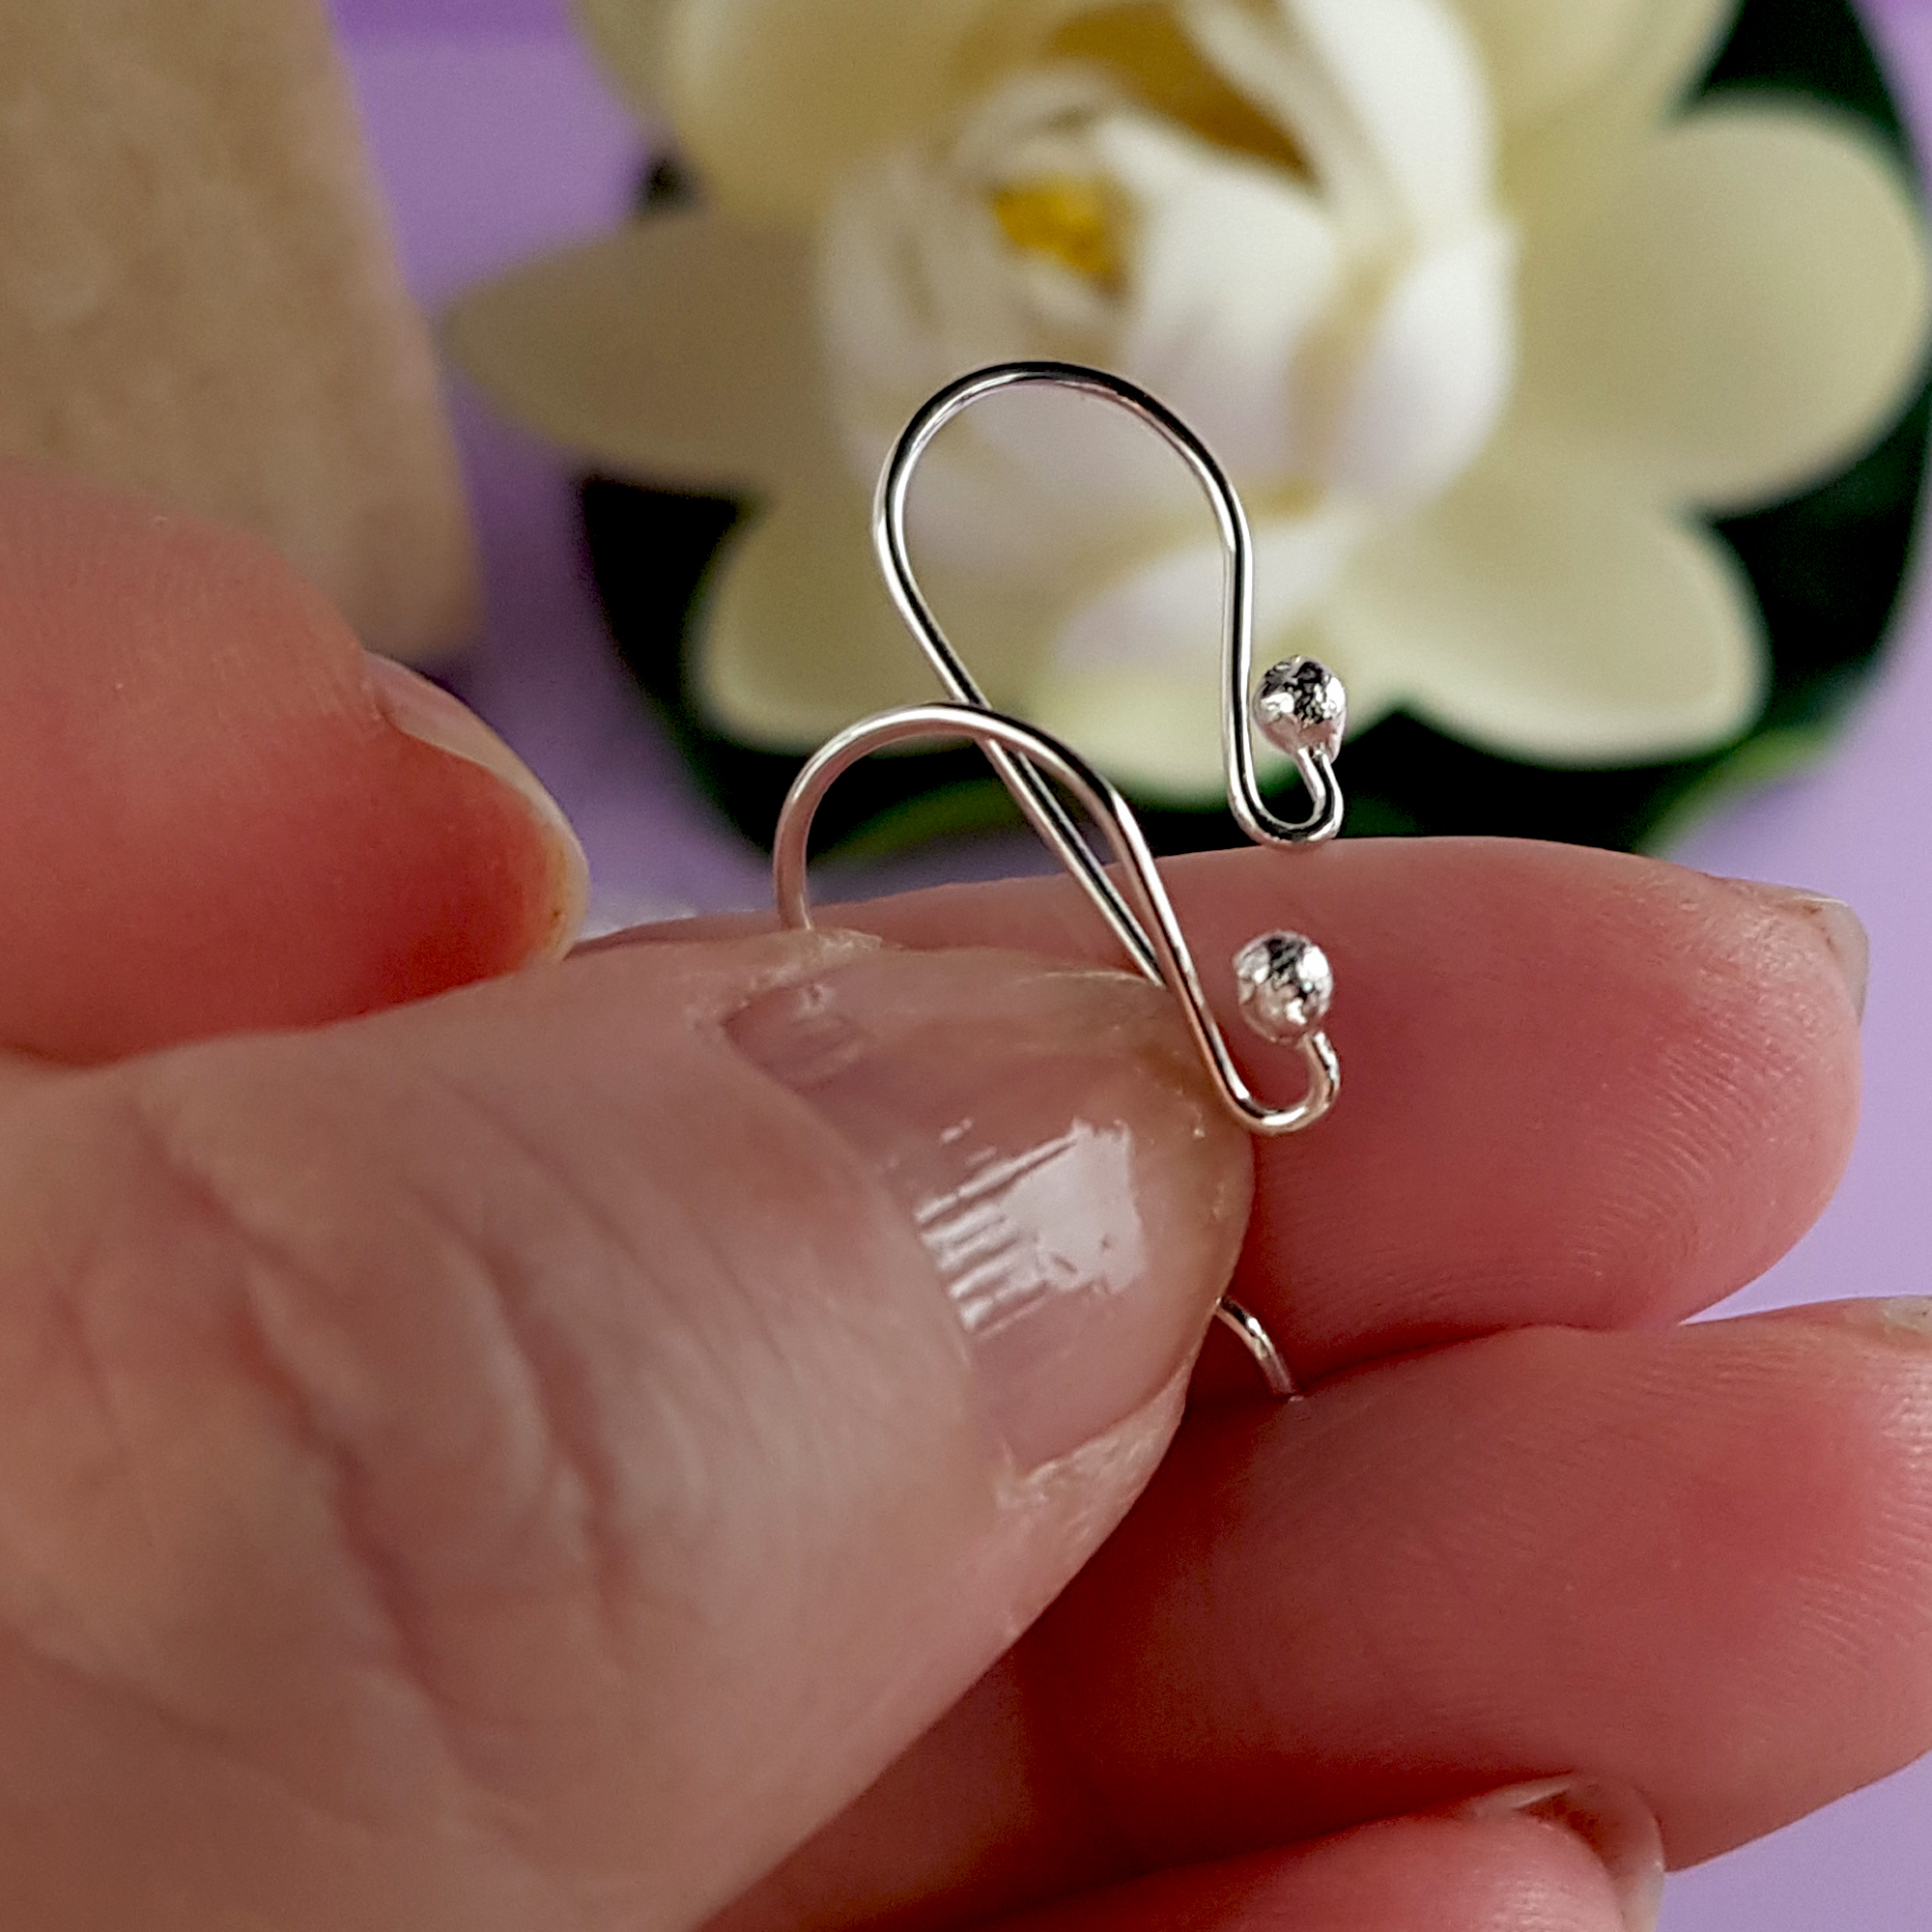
(1051,1138)
(1610,1819)
(1908,1316)
(426,712)
(1841,929)
(1905,1319)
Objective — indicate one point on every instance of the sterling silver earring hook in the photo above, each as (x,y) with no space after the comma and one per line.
(1300,707)
(1155,923)
(1282,981)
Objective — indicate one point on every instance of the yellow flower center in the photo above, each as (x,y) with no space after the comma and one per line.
(1146,47)
(1077,223)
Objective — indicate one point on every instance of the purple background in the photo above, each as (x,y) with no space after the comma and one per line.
(495,138)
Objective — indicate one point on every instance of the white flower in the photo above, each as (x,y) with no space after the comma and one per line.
(1478,320)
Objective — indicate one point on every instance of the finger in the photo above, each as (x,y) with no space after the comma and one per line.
(1577,1088)
(1555,1870)
(1696,1563)
(530,1458)
(218,813)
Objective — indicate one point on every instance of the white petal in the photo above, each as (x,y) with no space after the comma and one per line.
(1563,155)
(1157,733)
(1236,264)
(918,285)
(1387,94)
(629,37)
(1051,488)
(775,100)
(1661,59)
(797,638)
(1166,613)
(678,351)
(1737,315)
(1541,54)
(1416,86)
(1546,616)
(1232,262)
(1156,736)
(1135,678)
(1437,375)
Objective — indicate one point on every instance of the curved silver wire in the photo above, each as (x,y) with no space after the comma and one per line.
(1141,917)
(1043,811)
(1162,949)
(1260,1344)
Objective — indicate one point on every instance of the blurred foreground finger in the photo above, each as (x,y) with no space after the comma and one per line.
(1574,1858)
(218,813)
(1696,1562)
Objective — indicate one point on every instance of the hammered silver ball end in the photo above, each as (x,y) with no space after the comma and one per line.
(1302,706)
(1286,986)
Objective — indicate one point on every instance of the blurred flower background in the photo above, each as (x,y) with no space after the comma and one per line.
(1569,359)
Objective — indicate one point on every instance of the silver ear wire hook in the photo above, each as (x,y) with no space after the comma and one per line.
(1282,980)
(1300,707)
(1156,928)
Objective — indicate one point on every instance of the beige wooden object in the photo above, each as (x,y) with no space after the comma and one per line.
(199,296)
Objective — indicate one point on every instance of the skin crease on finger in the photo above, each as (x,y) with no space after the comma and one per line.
(538,1724)
(392,1543)
(1696,1562)
(285,1637)
(545,1719)
(1577,1087)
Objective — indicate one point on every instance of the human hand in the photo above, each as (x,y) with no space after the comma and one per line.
(509,1462)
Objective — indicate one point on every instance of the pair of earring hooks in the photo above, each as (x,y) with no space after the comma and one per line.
(1281,978)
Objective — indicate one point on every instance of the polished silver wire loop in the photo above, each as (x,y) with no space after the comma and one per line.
(1300,707)
(1314,755)
(1161,947)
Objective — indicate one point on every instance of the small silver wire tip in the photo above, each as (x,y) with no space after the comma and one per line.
(1283,982)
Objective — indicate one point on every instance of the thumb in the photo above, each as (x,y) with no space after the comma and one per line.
(528,1459)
